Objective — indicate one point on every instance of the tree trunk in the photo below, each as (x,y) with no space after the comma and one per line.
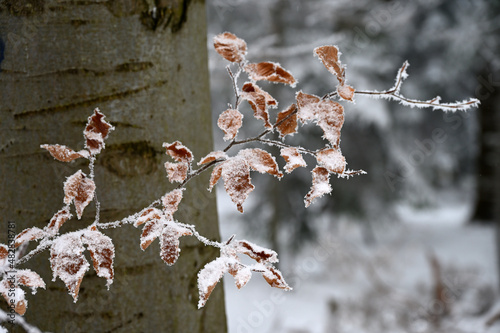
(146,69)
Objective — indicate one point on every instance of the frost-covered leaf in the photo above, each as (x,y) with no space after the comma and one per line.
(79,189)
(169,242)
(230,122)
(273,276)
(270,71)
(230,47)
(150,232)
(329,56)
(241,274)
(327,114)
(178,151)
(4,252)
(68,262)
(215,155)
(346,92)
(171,202)
(292,158)
(215,176)
(102,252)
(63,153)
(208,278)
(176,172)
(58,220)
(148,215)
(28,278)
(29,234)
(261,161)
(256,252)
(237,182)
(286,123)
(96,132)
(320,185)
(259,100)
(14,295)
(332,160)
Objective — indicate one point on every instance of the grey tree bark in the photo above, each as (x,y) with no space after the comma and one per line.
(144,64)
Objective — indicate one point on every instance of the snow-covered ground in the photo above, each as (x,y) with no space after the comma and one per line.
(341,284)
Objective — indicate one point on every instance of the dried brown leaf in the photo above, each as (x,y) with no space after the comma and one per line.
(242,274)
(270,71)
(259,106)
(292,158)
(28,278)
(102,252)
(250,87)
(58,220)
(147,215)
(79,189)
(329,56)
(230,121)
(4,252)
(29,234)
(215,176)
(320,185)
(261,161)
(256,252)
(176,172)
(332,160)
(346,92)
(171,202)
(215,155)
(237,182)
(63,153)
(286,122)
(68,262)
(179,152)
(208,278)
(274,278)
(14,296)
(230,47)
(169,242)
(150,232)
(96,132)
(307,106)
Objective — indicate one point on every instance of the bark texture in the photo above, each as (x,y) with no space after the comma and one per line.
(144,64)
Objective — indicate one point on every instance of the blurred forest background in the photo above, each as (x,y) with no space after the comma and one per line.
(420,187)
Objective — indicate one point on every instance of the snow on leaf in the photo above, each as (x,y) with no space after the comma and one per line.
(29,234)
(169,242)
(28,278)
(208,278)
(102,252)
(147,215)
(332,160)
(273,276)
(68,262)
(58,220)
(14,295)
(79,189)
(96,132)
(230,47)
(178,151)
(176,172)
(63,153)
(215,155)
(241,273)
(230,121)
(327,114)
(261,161)
(286,123)
(237,182)
(256,252)
(150,232)
(320,185)
(171,202)
(215,176)
(293,158)
(329,56)
(346,92)
(270,71)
